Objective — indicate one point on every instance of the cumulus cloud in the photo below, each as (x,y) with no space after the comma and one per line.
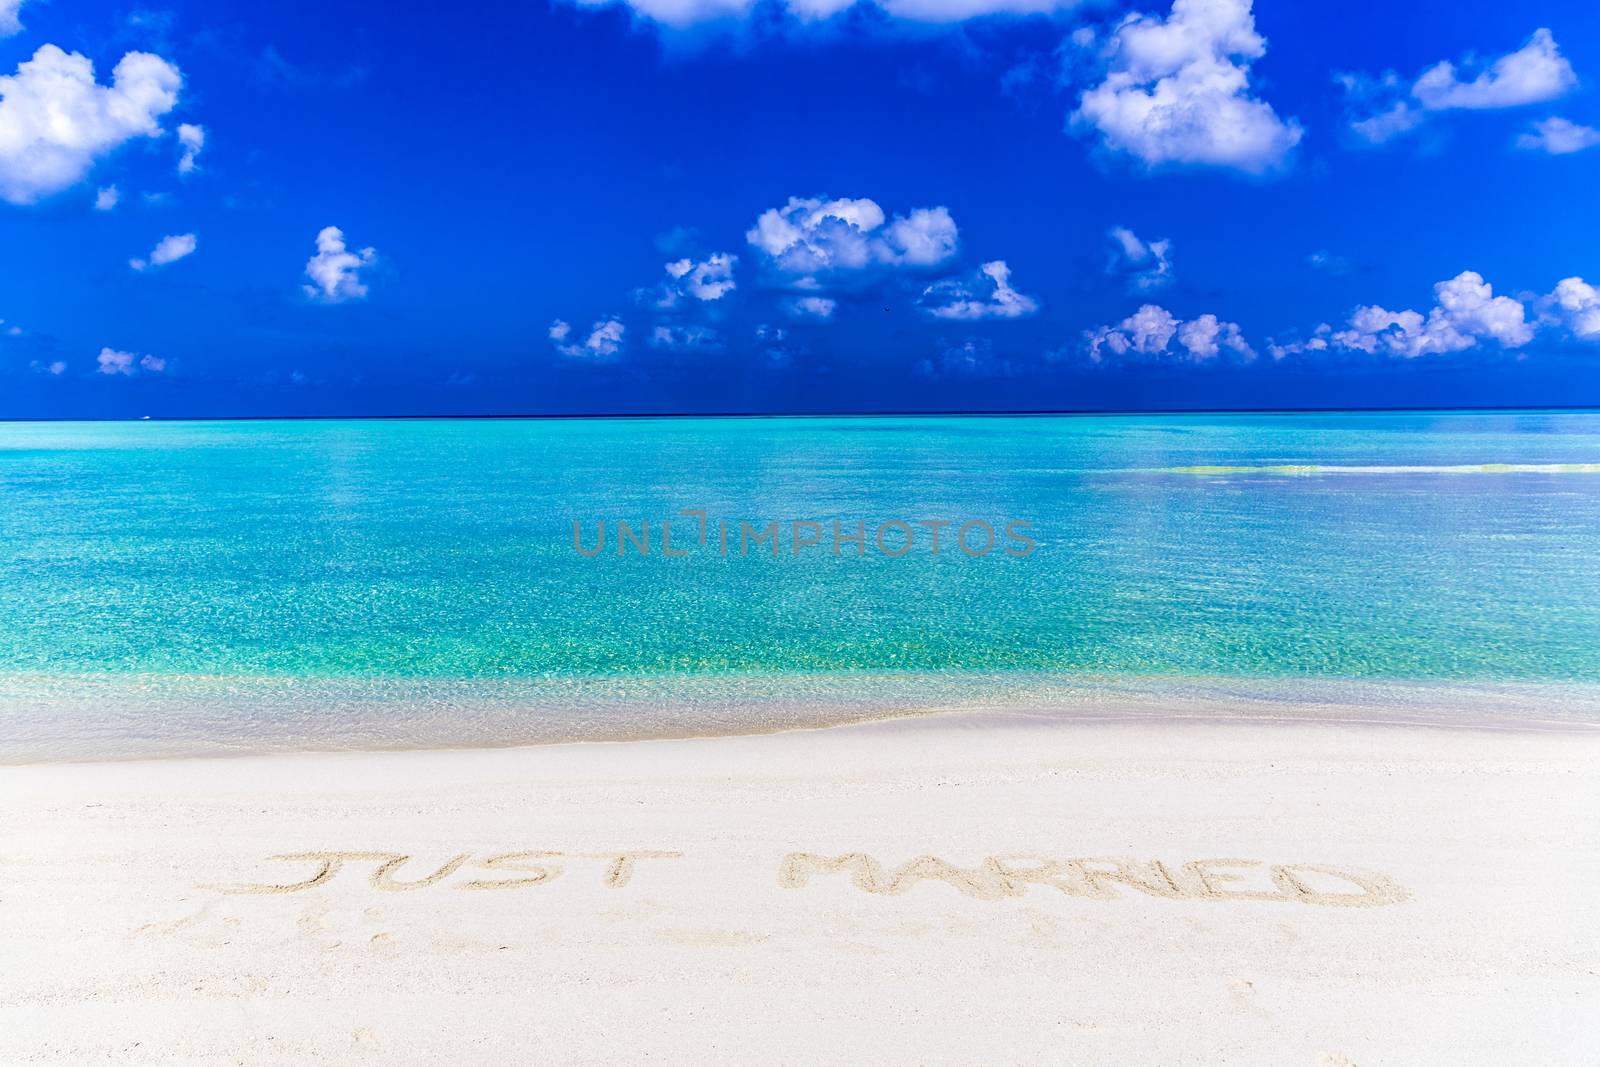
(114,362)
(55,368)
(1146,264)
(678,14)
(1385,107)
(1206,337)
(1575,304)
(812,236)
(1149,332)
(709,279)
(1535,72)
(192,138)
(10,24)
(169,249)
(1317,342)
(604,342)
(106,198)
(987,295)
(1177,91)
(335,271)
(56,120)
(817,247)
(127,364)
(1559,137)
(1466,313)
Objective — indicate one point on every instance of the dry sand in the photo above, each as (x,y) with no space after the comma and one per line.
(1024,892)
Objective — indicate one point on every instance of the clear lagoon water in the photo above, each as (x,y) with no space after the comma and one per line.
(239,586)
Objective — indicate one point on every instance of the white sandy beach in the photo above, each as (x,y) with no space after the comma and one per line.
(1378,895)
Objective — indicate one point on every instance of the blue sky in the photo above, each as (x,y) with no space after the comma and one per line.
(709,205)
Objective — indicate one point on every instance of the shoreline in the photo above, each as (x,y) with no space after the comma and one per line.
(141,717)
(960,719)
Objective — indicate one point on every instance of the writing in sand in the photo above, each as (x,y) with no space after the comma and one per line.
(993,878)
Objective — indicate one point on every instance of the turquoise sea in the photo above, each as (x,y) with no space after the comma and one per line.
(238,586)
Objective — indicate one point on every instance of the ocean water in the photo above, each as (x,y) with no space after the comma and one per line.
(239,586)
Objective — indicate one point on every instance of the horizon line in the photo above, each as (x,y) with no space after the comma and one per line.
(999,413)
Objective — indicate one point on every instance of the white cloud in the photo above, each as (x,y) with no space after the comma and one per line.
(679,14)
(1150,330)
(1577,306)
(705,281)
(1146,332)
(1386,108)
(113,362)
(107,198)
(712,277)
(1533,73)
(604,342)
(55,368)
(1177,91)
(56,120)
(1559,137)
(1466,312)
(1317,342)
(334,270)
(811,236)
(987,295)
(811,307)
(685,338)
(193,139)
(1466,315)
(1147,265)
(924,238)
(10,24)
(815,247)
(169,249)
(1206,337)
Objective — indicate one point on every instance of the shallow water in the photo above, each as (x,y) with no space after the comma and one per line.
(244,585)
